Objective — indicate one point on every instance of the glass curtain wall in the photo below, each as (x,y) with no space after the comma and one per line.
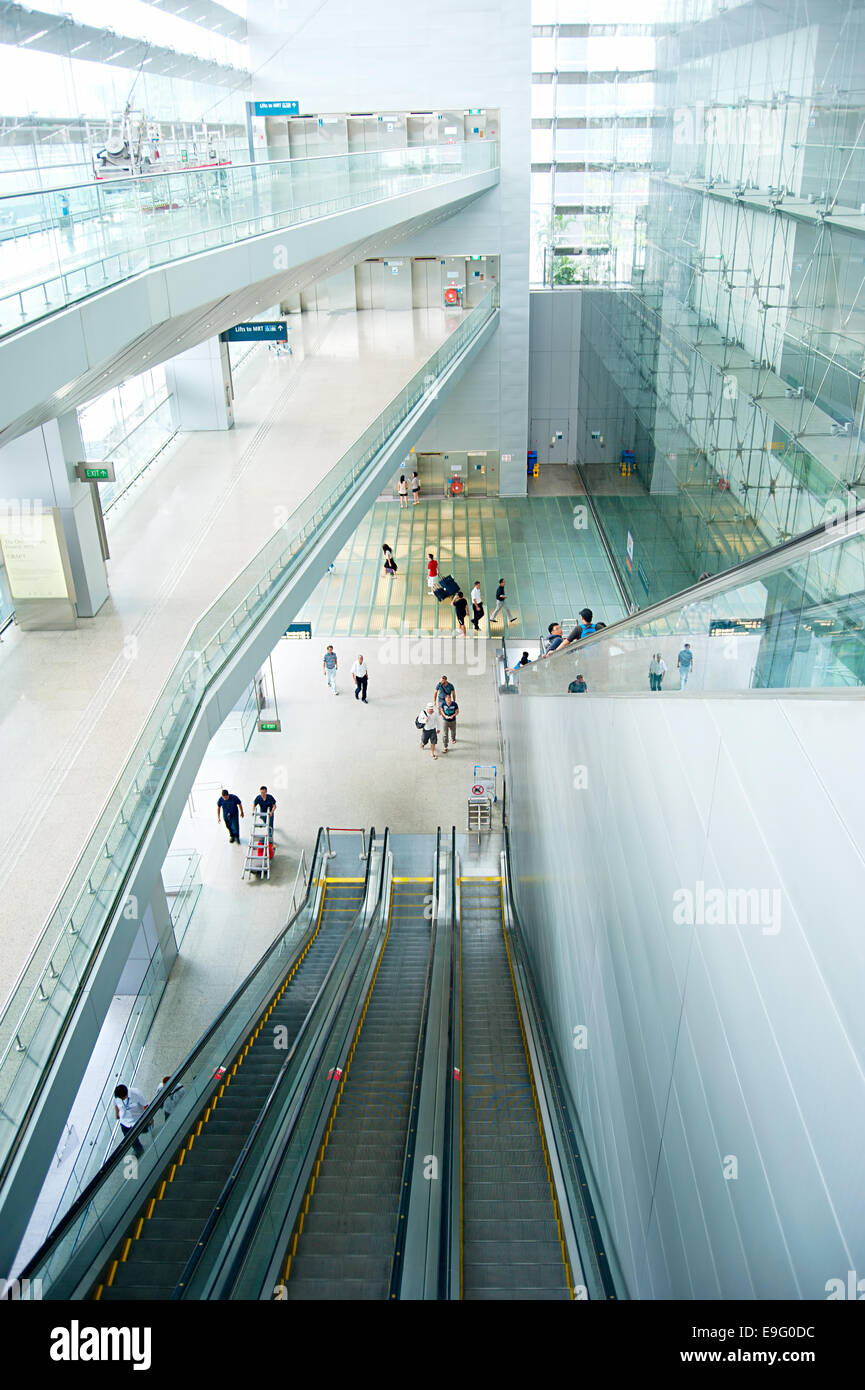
(593,114)
(736,353)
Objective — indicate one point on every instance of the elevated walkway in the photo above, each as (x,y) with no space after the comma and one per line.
(167,261)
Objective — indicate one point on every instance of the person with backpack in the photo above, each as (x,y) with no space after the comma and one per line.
(449,709)
(429,723)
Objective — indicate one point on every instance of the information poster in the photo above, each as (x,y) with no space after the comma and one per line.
(33,556)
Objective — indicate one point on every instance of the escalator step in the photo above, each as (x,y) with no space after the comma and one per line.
(521,1295)
(332,1290)
(530,1276)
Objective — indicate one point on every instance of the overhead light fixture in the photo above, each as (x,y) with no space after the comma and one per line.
(85,44)
(33,37)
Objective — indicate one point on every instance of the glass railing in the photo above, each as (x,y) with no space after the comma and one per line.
(249,1212)
(50,984)
(78,240)
(93,1221)
(793,619)
(253,1270)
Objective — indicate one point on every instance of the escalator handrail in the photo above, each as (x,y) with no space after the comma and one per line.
(252,1217)
(562,1121)
(397,1263)
(450,1181)
(155,1105)
(797,546)
(240,1162)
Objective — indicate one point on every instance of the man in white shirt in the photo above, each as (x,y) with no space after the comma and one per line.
(129,1106)
(477,605)
(431,730)
(360,671)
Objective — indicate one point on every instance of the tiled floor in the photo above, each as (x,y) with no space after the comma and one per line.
(551,567)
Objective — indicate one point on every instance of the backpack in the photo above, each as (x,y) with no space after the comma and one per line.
(420,719)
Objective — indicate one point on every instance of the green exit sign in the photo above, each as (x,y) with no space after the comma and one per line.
(269,726)
(100,472)
(475,110)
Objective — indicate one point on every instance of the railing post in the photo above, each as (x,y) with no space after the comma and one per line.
(363,844)
(331,853)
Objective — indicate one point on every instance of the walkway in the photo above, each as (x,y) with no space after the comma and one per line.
(551,567)
(74,702)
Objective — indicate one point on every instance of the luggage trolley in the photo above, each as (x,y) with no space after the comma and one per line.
(259,850)
(487,773)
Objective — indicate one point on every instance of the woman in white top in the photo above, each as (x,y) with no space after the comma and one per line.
(403,491)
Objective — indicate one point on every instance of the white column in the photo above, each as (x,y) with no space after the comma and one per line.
(38,470)
(200,384)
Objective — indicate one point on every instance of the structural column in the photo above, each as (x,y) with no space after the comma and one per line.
(37,475)
(202,394)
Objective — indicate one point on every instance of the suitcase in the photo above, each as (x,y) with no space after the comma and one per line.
(447,587)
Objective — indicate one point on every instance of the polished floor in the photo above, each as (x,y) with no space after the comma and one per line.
(551,565)
(75,702)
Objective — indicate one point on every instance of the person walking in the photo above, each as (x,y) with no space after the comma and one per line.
(578,686)
(477,605)
(415,489)
(449,709)
(432,571)
(265,803)
(430,731)
(444,691)
(330,666)
(227,807)
(657,671)
(461,607)
(501,604)
(129,1106)
(685,664)
(402,489)
(386,554)
(389,566)
(360,671)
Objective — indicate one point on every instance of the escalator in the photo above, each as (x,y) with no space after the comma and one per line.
(511,1241)
(149,1264)
(345,1242)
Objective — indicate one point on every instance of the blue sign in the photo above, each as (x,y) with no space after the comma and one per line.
(644,578)
(276,108)
(276,332)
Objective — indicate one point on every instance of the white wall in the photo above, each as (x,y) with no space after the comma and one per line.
(340,56)
(706,1043)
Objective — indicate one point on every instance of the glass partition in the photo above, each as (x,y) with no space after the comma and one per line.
(792,620)
(66,244)
(95,1217)
(47,989)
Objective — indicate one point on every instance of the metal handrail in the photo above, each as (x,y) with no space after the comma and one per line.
(754,567)
(270,1100)
(137,179)
(145,1121)
(240,1247)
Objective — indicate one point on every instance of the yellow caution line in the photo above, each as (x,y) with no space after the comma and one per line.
(190,1139)
(336,1103)
(568,1275)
